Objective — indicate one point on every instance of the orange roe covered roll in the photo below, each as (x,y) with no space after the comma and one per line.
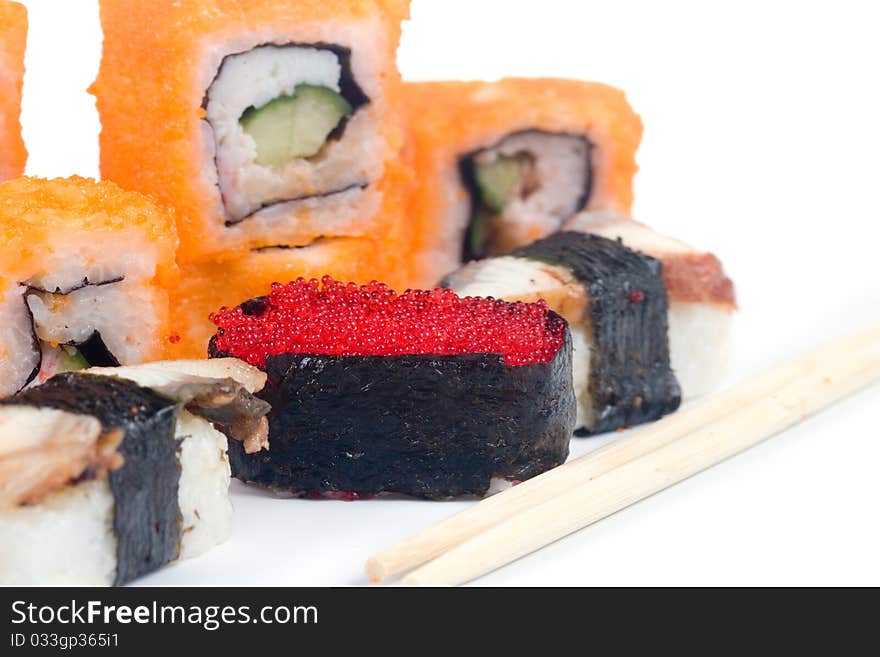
(13,35)
(205,287)
(503,164)
(85,268)
(264,122)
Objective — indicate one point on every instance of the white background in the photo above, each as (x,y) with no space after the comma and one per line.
(762,142)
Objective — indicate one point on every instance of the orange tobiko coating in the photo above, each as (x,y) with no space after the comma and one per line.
(205,287)
(13,35)
(37,215)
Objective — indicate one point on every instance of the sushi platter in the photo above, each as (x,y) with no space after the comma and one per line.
(317,325)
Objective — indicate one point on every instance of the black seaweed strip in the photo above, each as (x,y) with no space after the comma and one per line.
(631,379)
(79,286)
(146,516)
(360,186)
(35,343)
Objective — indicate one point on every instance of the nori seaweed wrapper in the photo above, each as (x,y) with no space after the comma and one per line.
(631,379)
(422,425)
(146,512)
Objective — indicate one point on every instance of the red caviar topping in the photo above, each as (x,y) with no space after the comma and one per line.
(331,318)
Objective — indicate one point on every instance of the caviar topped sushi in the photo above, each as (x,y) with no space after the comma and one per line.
(422,393)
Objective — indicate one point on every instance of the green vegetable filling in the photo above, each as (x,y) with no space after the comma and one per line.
(498,181)
(296,126)
(71,360)
(479,233)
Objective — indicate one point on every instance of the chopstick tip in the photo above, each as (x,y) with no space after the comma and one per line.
(376,571)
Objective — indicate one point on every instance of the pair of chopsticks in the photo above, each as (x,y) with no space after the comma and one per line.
(538,512)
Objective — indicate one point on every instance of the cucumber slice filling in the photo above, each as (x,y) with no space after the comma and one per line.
(479,234)
(71,360)
(295,126)
(497,183)
(498,180)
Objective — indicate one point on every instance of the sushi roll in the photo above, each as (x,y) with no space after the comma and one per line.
(506,163)
(13,37)
(424,393)
(205,287)
(264,122)
(616,304)
(128,465)
(85,271)
(702,299)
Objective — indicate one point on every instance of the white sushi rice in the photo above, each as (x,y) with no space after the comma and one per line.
(254,78)
(60,319)
(582,355)
(204,486)
(68,538)
(337,214)
(700,338)
(79,257)
(17,356)
(498,485)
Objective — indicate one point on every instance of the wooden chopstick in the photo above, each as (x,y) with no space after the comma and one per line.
(443,536)
(831,378)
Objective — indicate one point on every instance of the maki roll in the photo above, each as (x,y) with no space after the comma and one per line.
(204,287)
(702,299)
(13,37)
(85,267)
(264,122)
(128,465)
(506,163)
(423,393)
(617,307)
